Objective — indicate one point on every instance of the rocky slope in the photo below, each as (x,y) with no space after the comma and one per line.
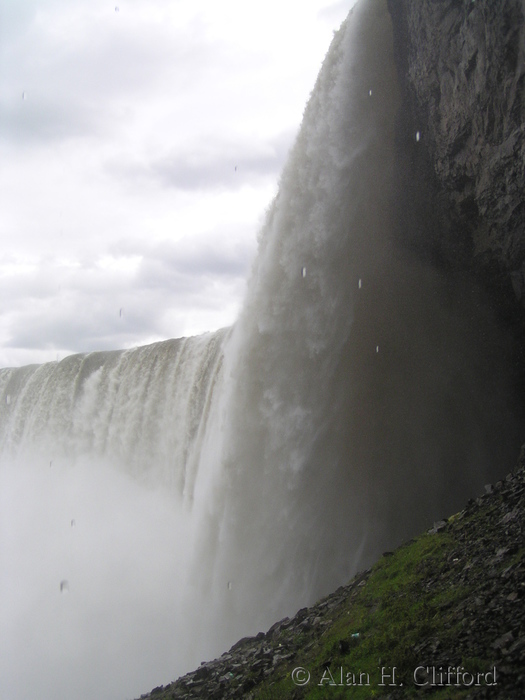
(443,615)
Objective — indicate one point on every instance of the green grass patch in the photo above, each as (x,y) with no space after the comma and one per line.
(402,604)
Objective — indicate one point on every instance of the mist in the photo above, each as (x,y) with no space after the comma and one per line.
(91,569)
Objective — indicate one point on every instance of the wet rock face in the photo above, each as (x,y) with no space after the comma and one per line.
(462,65)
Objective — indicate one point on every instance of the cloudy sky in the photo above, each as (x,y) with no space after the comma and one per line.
(140,144)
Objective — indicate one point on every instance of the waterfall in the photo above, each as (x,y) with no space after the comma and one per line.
(283,519)
(142,410)
(247,472)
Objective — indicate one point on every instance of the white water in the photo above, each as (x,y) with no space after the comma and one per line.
(99,455)
(142,410)
(192,492)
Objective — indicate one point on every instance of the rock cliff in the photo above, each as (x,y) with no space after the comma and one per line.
(461,136)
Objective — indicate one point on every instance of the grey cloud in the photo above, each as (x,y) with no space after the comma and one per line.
(84,324)
(50,281)
(90,84)
(46,119)
(75,309)
(211,164)
(30,285)
(91,308)
(217,259)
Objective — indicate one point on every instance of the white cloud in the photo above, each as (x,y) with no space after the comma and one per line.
(210,163)
(133,131)
(65,306)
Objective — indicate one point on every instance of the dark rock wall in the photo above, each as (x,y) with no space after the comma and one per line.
(461,131)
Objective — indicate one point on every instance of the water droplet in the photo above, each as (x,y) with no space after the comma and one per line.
(24,95)
(303,271)
(229,585)
(73,523)
(359,284)
(370,93)
(120,313)
(64,586)
(51,463)
(418,135)
(377,348)
(116,9)
(8,399)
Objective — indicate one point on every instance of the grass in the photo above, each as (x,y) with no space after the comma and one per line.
(401,604)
